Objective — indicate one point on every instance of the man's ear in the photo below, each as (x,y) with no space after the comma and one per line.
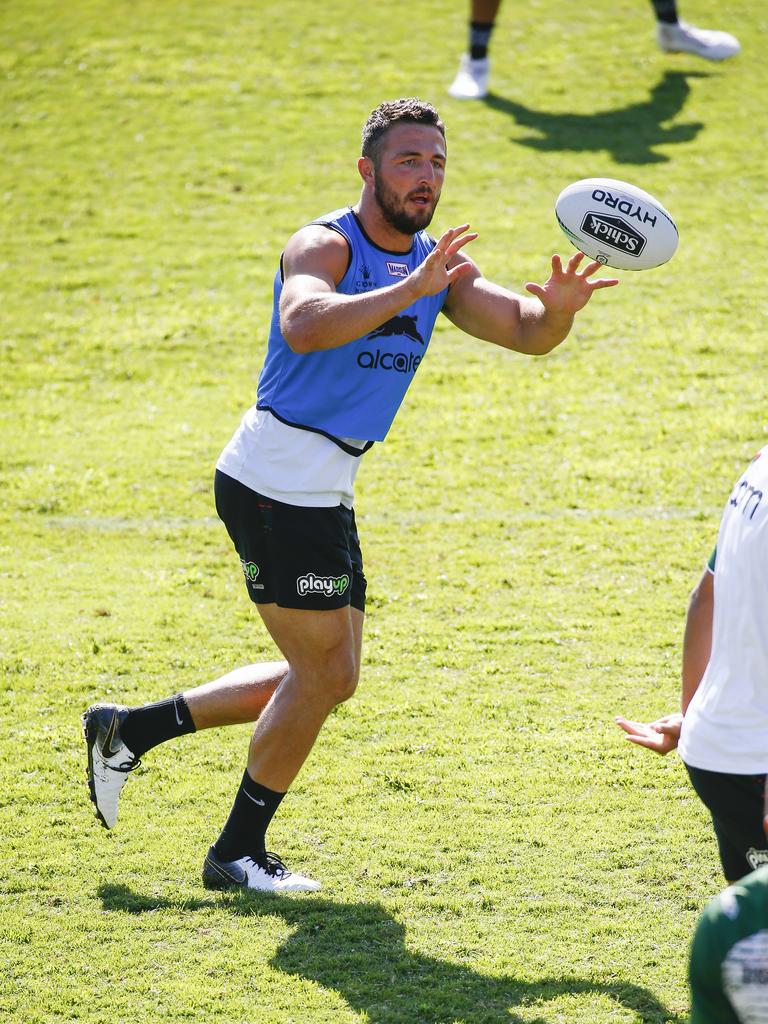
(365,167)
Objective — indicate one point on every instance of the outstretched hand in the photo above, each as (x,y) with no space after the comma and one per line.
(566,292)
(433,275)
(660,736)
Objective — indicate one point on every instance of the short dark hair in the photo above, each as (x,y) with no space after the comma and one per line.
(409,111)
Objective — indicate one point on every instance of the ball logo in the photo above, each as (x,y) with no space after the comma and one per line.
(613,231)
(328,586)
(625,206)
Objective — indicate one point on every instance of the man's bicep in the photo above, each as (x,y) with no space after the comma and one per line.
(305,286)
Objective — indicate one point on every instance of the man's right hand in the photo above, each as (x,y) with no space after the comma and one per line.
(434,274)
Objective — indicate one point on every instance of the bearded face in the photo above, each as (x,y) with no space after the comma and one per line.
(407,213)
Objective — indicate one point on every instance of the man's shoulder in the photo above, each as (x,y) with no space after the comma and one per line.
(319,240)
(341,222)
(757,467)
(341,214)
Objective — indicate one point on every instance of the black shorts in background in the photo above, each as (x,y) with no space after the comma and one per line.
(736,804)
(292,556)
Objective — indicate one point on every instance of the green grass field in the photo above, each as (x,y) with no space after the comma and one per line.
(491,849)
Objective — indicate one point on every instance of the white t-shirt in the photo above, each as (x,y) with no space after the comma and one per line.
(725,728)
(298,467)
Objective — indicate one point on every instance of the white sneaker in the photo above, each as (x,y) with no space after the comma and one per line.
(109,760)
(268,874)
(684,38)
(471,81)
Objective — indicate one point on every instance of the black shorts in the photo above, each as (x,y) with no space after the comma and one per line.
(292,556)
(736,804)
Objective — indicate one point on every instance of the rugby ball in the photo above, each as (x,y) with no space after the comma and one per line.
(616,223)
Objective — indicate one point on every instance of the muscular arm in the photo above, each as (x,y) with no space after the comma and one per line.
(314,316)
(532,325)
(697,639)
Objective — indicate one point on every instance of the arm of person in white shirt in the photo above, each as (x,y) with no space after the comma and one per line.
(662,735)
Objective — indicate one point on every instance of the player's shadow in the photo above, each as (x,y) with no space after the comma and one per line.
(359,951)
(628,134)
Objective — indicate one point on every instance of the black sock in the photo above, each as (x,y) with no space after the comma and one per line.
(665,11)
(479,39)
(246,827)
(147,726)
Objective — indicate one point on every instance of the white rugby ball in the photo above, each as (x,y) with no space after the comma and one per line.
(616,223)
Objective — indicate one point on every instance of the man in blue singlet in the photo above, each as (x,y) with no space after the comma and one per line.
(356,297)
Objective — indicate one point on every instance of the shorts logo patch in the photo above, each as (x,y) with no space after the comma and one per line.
(251,573)
(328,586)
(756,858)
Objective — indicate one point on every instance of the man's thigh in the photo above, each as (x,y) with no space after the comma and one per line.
(736,803)
(308,639)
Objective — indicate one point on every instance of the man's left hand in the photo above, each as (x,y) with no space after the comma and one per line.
(566,292)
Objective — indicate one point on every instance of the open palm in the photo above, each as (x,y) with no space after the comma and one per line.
(567,291)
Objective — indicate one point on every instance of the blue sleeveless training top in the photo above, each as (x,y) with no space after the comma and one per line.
(355,390)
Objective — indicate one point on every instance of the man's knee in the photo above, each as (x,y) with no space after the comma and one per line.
(322,650)
(339,674)
(328,676)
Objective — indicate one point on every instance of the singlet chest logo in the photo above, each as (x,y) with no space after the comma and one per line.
(397,269)
(365,283)
(405,325)
(401,327)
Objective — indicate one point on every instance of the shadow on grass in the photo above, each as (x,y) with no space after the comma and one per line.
(359,951)
(628,134)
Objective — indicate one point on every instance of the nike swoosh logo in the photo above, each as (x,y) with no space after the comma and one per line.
(178,716)
(107,748)
(259,802)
